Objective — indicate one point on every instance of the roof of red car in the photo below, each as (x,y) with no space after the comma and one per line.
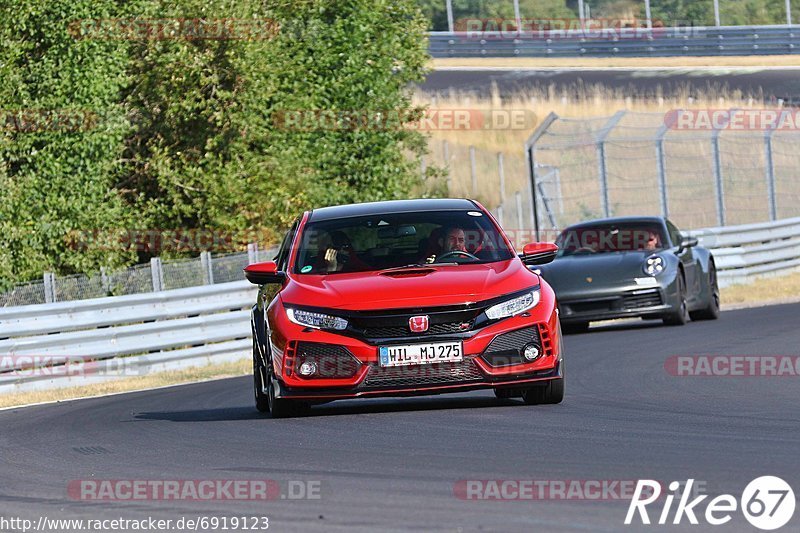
(391,206)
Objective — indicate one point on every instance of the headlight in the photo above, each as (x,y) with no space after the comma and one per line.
(315,320)
(654,265)
(514,306)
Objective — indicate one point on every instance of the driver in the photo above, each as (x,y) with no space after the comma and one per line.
(652,242)
(455,240)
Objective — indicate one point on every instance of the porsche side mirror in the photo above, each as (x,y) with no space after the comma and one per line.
(538,253)
(688,242)
(264,273)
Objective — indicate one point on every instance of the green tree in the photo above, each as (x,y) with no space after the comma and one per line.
(54,178)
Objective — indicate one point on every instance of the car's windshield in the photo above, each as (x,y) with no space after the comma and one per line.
(379,242)
(611,238)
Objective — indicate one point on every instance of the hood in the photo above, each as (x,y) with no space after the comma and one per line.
(606,270)
(430,287)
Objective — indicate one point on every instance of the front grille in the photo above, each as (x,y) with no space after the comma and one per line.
(420,375)
(506,348)
(649,298)
(404,331)
(332,361)
(393,325)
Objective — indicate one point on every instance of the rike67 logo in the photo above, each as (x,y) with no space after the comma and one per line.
(767,502)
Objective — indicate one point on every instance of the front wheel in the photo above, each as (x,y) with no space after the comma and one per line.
(711,310)
(262,401)
(679,316)
(551,393)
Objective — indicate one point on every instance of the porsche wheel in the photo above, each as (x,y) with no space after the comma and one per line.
(711,311)
(680,316)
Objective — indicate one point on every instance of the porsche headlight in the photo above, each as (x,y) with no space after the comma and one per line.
(514,306)
(315,320)
(654,265)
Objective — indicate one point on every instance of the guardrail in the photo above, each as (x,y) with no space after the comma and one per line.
(625,42)
(102,339)
(64,344)
(742,252)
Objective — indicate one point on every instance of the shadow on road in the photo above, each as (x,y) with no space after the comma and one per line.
(203,415)
(343,407)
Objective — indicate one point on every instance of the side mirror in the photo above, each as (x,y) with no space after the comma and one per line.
(688,242)
(264,273)
(538,253)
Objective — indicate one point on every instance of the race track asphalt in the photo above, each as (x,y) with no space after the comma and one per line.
(768,85)
(392,464)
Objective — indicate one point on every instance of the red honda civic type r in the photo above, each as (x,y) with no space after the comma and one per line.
(403,298)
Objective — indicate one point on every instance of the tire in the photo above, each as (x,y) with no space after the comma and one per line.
(711,310)
(267,402)
(681,315)
(551,393)
(262,401)
(574,327)
(505,394)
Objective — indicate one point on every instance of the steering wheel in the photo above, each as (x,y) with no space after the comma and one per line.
(462,253)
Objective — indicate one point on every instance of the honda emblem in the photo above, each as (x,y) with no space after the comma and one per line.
(418,324)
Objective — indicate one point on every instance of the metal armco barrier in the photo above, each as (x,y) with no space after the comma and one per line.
(628,42)
(123,336)
(743,252)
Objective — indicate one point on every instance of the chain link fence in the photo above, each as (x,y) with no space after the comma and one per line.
(631,164)
(640,163)
(159,275)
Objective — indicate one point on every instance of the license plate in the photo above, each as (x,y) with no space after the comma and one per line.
(420,354)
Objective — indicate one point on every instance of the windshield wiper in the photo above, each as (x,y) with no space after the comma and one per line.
(417,265)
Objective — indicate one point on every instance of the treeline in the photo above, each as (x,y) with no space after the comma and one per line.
(133,114)
(670,12)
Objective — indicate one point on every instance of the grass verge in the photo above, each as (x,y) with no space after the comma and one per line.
(150,381)
(777,289)
(633,62)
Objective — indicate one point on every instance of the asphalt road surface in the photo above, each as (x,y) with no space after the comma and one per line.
(394,464)
(769,84)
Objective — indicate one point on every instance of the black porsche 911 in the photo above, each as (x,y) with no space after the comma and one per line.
(631,267)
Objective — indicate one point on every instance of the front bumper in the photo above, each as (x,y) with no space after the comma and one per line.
(484,382)
(490,359)
(623,302)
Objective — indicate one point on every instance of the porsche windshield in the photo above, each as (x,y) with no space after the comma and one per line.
(379,242)
(589,240)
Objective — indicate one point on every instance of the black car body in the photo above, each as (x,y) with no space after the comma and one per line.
(632,267)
